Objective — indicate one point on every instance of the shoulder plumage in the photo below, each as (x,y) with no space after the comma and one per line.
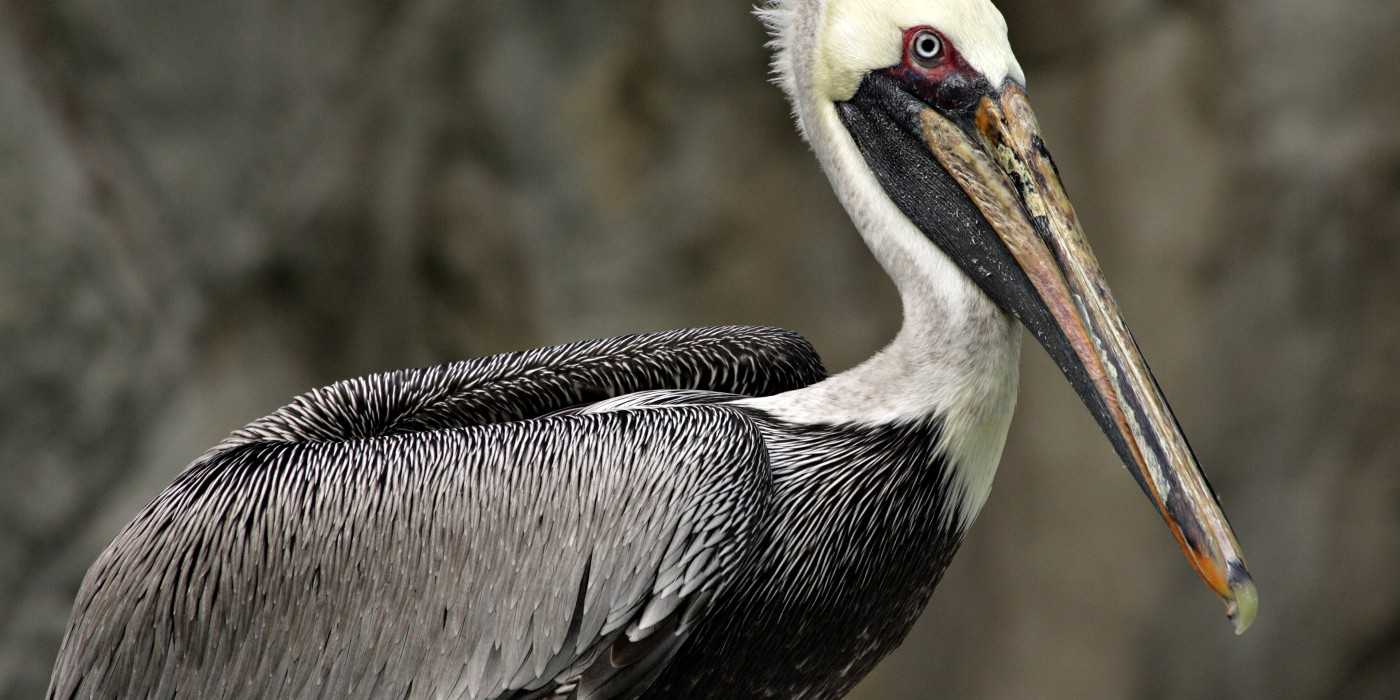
(744,360)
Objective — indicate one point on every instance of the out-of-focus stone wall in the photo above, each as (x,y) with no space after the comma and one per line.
(206,208)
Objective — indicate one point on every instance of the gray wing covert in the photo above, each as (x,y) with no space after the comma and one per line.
(566,556)
(744,360)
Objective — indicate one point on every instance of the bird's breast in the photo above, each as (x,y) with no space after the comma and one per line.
(865,521)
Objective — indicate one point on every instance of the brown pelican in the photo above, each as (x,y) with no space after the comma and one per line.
(687,514)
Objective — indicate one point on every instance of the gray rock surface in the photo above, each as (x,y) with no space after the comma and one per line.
(206,208)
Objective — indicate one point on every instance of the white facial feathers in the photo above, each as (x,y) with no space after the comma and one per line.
(824,48)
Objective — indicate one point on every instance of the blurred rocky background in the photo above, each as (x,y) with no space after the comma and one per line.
(208,207)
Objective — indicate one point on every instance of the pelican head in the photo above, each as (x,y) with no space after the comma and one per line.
(918,109)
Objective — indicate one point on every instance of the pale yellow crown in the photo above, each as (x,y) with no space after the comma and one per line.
(826,47)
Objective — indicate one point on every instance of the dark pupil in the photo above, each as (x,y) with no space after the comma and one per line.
(927,46)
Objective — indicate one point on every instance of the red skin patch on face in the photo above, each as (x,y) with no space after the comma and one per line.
(949,82)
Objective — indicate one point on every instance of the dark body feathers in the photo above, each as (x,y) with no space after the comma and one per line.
(477,530)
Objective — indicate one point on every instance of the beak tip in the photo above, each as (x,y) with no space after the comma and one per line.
(1244,603)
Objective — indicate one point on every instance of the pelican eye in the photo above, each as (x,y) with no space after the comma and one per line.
(926,48)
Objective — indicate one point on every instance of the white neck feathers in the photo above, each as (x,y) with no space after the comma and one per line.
(955,358)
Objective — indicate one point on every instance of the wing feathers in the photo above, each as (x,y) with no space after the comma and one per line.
(297,541)
(482,563)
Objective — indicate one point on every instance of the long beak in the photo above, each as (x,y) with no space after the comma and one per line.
(1036,263)
(1014,183)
